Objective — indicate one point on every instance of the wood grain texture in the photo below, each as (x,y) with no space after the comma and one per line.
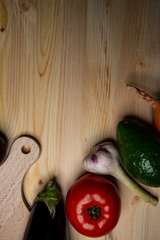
(64,66)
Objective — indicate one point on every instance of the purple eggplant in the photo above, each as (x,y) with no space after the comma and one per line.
(3,148)
(47,218)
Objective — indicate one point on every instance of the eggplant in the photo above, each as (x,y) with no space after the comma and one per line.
(47,217)
(3,148)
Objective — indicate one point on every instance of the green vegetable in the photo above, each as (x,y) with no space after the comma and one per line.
(140,152)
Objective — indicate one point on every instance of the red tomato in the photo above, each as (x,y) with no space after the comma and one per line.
(93,205)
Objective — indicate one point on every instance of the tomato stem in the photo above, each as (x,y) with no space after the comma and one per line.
(94,212)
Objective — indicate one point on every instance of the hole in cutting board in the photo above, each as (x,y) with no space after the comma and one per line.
(26,149)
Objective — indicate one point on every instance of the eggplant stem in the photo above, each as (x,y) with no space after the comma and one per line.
(50,196)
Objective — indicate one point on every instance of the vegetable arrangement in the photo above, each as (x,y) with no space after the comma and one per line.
(106,160)
(47,218)
(137,157)
(93,205)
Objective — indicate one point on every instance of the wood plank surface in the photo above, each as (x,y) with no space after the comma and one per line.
(64,65)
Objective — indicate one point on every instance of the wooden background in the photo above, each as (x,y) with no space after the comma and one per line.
(64,66)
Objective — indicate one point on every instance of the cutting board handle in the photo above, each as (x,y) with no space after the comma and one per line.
(24,151)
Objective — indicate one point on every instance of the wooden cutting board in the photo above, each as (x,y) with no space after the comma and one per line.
(64,65)
(23,153)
